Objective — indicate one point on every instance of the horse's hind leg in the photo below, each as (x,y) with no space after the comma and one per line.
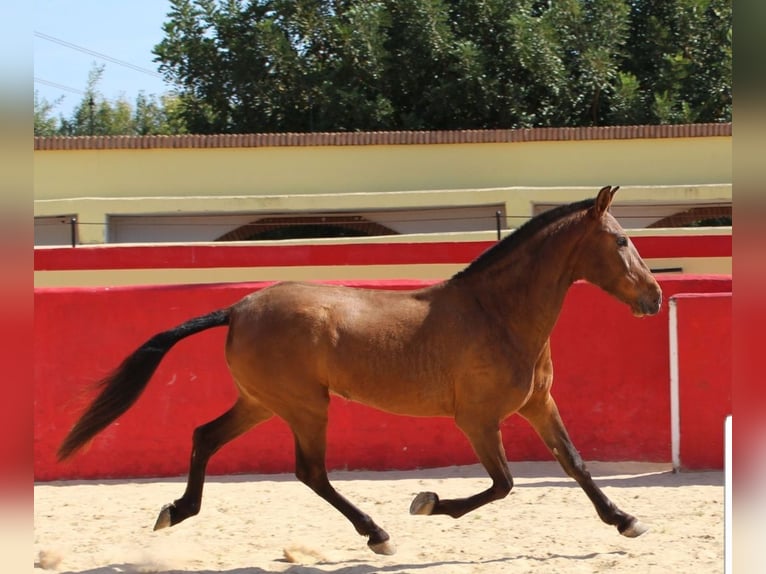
(309,430)
(207,439)
(543,415)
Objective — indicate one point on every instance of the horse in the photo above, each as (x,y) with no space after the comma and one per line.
(474,347)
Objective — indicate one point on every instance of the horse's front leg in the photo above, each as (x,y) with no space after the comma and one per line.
(543,415)
(486,441)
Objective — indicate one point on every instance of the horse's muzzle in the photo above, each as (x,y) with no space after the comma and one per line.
(648,305)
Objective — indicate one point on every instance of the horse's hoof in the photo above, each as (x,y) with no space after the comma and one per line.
(635,529)
(384,547)
(164,519)
(424,503)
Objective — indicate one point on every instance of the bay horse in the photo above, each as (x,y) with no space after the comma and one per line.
(475,347)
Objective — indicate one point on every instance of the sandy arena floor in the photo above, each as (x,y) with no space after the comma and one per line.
(272,523)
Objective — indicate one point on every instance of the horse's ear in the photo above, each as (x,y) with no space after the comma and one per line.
(603,200)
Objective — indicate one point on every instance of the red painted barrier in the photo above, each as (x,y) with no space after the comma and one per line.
(703,381)
(152,256)
(611,384)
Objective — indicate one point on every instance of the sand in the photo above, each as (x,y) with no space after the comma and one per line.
(259,524)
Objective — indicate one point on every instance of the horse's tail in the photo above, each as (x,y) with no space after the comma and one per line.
(121,388)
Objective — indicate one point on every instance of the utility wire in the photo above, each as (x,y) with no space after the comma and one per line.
(286,223)
(98,54)
(59,86)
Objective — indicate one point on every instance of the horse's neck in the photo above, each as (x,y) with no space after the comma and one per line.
(526,289)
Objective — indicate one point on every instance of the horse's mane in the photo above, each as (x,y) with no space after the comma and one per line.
(523,234)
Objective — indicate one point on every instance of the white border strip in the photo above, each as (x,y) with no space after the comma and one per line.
(675,414)
(727,497)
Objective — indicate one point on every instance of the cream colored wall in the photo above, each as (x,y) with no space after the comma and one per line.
(365,169)
(95,183)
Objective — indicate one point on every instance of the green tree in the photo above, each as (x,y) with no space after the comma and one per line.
(95,115)
(154,115)
(301,65)
(568,54)
(680,64)
(45,123)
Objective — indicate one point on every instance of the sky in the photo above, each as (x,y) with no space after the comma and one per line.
(67,33)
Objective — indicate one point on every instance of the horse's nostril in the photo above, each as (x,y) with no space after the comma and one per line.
(651,306)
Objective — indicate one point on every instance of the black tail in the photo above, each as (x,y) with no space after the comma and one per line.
(121,388)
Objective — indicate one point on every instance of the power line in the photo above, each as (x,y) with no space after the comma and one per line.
(59,86)
(98,54)
(284,220)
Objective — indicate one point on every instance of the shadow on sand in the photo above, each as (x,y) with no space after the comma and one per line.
(350,567)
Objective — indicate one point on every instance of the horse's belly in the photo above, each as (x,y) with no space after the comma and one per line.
(404,396)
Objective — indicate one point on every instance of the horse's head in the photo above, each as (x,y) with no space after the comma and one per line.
(609,259)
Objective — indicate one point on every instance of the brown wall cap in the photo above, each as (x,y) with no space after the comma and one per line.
(382,138)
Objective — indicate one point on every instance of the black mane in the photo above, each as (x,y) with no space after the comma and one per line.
(523,233)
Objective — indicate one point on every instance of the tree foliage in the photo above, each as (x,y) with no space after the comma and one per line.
(308,65)
(338,65)
(95,115)
(681,61)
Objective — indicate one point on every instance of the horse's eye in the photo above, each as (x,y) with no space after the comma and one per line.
(622,241)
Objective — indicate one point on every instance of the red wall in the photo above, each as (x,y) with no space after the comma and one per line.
(152,256)
(704,377)
(611,385)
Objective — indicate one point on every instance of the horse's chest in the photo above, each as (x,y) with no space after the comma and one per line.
(499,386)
